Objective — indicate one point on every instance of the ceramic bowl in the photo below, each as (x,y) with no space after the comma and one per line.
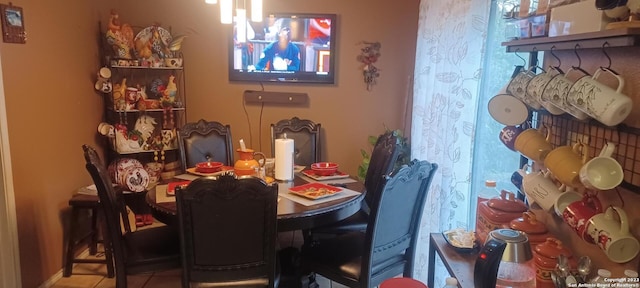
(208,167)
(324,168)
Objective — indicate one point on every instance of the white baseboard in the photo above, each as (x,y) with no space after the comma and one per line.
(53,279)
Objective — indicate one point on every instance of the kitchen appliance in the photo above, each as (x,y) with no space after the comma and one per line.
(505,260)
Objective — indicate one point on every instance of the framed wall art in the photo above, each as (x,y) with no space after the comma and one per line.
(12,24)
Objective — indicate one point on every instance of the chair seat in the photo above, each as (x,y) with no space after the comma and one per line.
(342,255)
(159,245)
(356,223)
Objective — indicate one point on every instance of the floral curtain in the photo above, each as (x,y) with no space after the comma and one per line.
(449,61)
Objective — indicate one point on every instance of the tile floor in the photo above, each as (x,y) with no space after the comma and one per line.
(94,275)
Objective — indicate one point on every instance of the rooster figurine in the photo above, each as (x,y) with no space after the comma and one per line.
(120,37)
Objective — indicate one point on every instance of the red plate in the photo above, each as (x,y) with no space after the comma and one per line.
(171,187)
(223,169)
(315,190)
(312,174)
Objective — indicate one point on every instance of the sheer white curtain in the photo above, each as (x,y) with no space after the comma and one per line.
(449,61)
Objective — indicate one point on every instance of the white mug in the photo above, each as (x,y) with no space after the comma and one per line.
(602,172)
(557,90)
(518,88)
(540,188)
(536,87)
(564,200)
(601,102)
(612,235)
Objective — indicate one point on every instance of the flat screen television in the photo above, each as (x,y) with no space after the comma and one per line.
(285,47)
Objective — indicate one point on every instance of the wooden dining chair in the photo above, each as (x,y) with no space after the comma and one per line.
(228,230)
(205,141)
(146,250)
(384,157)
(388,247)
(306,139)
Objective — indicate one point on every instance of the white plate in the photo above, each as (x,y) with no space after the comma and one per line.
(508,110)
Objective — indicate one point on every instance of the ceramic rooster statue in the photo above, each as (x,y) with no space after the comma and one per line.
(169,93)
(120,37)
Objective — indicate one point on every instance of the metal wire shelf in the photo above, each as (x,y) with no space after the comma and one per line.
(566,130)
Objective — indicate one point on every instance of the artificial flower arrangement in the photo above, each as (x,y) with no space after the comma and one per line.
(369,54)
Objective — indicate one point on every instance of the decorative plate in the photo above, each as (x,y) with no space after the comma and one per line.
(508,110)
(447,237)
(315,190)
(224,169)
(158,44)
(311,174)
(171,187)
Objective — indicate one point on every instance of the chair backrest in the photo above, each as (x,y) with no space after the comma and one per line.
(384,156)
(205,140)
(112,205)
(306,139)
(228,229)
(392,230)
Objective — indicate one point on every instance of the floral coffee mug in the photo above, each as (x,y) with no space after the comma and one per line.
(599,101)
(557,90)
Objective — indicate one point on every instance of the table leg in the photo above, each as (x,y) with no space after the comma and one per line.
(432,262)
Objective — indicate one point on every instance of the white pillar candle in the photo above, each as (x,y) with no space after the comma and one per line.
(284,159)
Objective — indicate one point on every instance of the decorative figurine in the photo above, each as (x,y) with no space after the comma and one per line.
(120,37)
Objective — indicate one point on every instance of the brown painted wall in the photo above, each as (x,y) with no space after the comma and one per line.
(53,109)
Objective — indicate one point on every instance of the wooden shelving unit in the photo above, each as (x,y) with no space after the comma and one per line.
(623,37)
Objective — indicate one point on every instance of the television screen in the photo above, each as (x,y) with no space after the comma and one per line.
(284,48)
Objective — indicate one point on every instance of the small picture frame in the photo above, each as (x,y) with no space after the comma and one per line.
(12,24)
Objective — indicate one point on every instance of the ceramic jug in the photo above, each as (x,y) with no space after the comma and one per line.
(247,162)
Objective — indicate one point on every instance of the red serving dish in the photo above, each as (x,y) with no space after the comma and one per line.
(209,167)
(324,168)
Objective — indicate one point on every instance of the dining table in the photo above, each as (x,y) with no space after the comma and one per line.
(294,212)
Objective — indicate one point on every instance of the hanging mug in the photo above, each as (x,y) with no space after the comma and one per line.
(601,102)
(565,163)
(611,233)
(577,214)
(534,143)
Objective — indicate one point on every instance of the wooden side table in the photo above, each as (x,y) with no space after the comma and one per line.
(458,265)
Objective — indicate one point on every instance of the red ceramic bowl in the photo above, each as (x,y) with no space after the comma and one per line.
(324,168)
(208,167)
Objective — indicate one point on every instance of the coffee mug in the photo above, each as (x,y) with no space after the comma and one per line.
(612,235)
(536,87)
(565,199)
(534,143)
(602,172)
(508,135)
(565,163)
(557,90)
(599,101)
(518,87)
(578,213)
(518,176)
(540,188)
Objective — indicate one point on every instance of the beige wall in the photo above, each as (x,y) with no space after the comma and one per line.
(52,107)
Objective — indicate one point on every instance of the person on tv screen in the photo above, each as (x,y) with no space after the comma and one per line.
(280,55)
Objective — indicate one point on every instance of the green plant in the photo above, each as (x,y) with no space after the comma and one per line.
(404,158)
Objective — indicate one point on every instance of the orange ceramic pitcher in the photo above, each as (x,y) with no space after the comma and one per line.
(247,163)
